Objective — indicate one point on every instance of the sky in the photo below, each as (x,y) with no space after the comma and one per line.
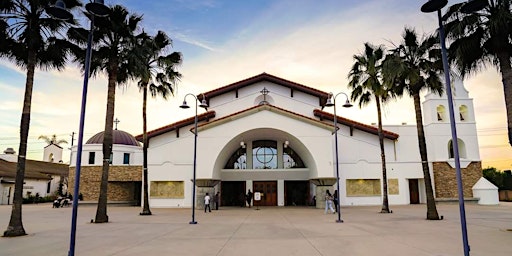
(310,42)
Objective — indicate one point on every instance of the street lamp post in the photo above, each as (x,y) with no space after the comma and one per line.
(347,104)
(59,11)
(203,105)
(471,6)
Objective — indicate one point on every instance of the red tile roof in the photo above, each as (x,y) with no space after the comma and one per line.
(263,107)
(360,126)
(270,78)
(171,127)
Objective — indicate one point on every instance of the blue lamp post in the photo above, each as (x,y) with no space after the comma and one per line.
(332,103)
(185,106)
(436,6)
(59,11)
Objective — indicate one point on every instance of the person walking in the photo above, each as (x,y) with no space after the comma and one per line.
(328,201)
(216,199)
(248,198)
(207,203)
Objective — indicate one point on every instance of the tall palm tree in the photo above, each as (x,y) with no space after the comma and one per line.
(366,82)
(52,140)
(157,74)
(114,40)
(413,67)
(483,38)
(29,40)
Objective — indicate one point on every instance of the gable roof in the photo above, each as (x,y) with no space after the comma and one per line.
(177,125)
(33,169)
(322,96)
(268,107)
(356,125)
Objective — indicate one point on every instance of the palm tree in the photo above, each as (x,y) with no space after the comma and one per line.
(52,140)
(114,40)
(480,39)
(29,40)
(413,67)
(157,73)
(366,82)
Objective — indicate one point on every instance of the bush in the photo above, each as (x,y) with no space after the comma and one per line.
(502,180)
(32,199)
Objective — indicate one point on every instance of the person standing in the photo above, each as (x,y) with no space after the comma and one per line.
(335,201)
(216,199)
(248,198)
(328,201)
(207,203)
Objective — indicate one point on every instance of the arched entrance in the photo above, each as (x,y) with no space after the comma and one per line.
(269,161)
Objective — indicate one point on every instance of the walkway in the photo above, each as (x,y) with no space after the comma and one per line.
(267,232)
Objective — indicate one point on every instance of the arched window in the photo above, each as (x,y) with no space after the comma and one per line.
(441,110)
(238,160)
(291,159)
(463,113)
(462,149)
(264,154)
(50,158)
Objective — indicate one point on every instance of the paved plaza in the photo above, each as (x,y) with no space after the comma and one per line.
(268,231)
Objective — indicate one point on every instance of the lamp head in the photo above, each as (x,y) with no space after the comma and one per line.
(433,5)
(329,102)
(473,6)
(203,104)
(98,8)
(59,11)
(347,104)
(184,105)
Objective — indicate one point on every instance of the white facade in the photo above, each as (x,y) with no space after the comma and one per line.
(292,116)
(118,155)
(52,153)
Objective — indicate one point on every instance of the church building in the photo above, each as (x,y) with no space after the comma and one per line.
(274,136)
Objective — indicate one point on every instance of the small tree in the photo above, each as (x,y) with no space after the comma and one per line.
(495,176)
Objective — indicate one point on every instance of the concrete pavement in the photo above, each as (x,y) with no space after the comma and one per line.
(268,231)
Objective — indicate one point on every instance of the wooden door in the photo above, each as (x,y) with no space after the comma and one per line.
(269,193)
(414,193)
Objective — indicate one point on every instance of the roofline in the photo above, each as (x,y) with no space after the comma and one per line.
(323,96)
(360,126)
(177,125)
(258,108)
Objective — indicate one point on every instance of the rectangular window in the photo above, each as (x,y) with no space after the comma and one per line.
(363,187)
(126,158)
(92,155)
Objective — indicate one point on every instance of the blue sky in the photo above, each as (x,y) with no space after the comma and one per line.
(305,41)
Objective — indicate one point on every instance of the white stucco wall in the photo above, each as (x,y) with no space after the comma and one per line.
(171,157)
(118,151)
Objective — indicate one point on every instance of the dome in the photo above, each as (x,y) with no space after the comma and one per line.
(118,137)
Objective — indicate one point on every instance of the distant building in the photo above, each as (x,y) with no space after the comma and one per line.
(41,177)
(273,136)
(125,173)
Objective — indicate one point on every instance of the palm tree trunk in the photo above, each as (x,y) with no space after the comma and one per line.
(101,212)
(385,202)
(15,227)
(431,204)
(506,77)
(145,209)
